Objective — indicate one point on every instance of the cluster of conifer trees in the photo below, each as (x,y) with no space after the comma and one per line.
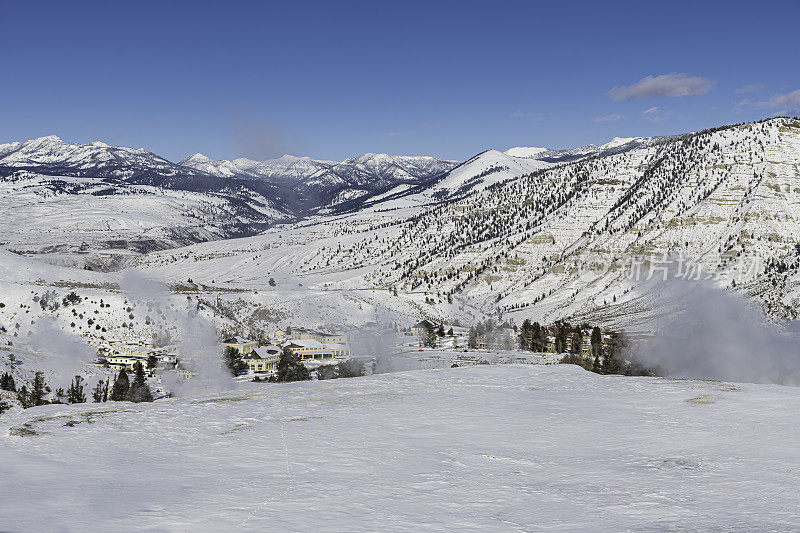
(39,393)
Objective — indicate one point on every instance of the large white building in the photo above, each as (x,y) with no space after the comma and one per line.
(313,349)
(126,361)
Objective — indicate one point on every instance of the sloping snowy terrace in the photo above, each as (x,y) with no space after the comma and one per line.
(483,448)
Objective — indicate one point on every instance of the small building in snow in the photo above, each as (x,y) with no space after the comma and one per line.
(421,328)
(263,359)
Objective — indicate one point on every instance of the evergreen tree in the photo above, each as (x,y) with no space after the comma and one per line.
(152,362)
(7,382)
(612,359)
(472,338)
(327,372)
(561,337)
(428,337)
(290,368)
(525,335)
(24,397)
(105,390)
(121,386)
(610,364)
(60,396)
(538,337)
(577,341)
(351,368)
(233,360)
(38,390)
(597,342)
(138,370)
(75,392)
(97,392)
(139,390)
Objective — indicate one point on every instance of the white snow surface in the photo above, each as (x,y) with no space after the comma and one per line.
(484,448)
(528,152)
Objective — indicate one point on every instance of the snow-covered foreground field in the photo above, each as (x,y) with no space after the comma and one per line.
(481,448)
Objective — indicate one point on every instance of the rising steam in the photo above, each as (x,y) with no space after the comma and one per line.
(198,346)
(716,334)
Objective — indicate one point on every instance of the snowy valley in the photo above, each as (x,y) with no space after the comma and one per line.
(509,237)
(111,256)
(400,267)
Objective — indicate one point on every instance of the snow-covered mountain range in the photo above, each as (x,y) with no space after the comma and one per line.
(554,242)
(309,185)
(62,197)
(119,199)
(526,233)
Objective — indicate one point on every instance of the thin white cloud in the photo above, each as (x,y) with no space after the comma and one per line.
(654,114)
(394,134)
(751,88)
(610,118)
(785,100)
(663,85)
(781,100)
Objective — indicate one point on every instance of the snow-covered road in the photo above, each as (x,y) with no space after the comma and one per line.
(482,448)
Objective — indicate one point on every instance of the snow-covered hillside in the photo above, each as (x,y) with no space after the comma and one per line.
(64,197)
(726,200)
(68,218)
(483,170)
(496,236)
(555,242)
(617,145)
(485,448)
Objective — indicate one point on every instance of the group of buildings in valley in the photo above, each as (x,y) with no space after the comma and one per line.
(125,354)
(311,346)
(316,347)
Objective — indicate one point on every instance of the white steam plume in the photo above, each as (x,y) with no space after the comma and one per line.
(64,353)
(198,346)
(716,334)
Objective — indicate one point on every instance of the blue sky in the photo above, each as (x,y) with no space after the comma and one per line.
(338,79)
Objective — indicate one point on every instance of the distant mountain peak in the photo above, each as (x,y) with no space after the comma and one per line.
(41,141)
(527,152)
(196,158)
(621,141)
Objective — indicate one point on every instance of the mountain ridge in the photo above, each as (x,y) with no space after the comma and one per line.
(559,241)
